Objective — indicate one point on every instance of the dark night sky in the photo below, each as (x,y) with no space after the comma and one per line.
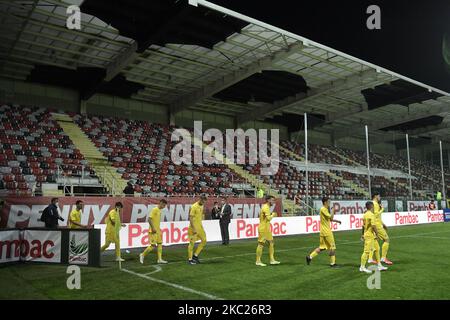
(409,42)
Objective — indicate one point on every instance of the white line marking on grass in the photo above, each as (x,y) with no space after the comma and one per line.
(427,237)
(174,285)
(157,269)
(212,297)
(345,242)
(418,234)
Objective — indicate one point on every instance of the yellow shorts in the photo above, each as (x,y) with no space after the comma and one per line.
(111,237)
(382,234)
(327,242)
(264,236)
(200,235)
(369,244)
(155,238)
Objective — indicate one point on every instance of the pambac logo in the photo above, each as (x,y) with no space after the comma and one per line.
(406,218)
(78,247)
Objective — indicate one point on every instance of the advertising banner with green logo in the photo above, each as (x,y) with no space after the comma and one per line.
(79,247)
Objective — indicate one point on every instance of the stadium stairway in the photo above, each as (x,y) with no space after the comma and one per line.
(392,180)
(406,185)
(289,205)
(332,175)
(106,173)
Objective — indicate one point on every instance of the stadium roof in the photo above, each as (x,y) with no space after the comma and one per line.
(212,59)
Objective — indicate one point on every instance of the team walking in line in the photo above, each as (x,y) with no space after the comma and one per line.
(373,231)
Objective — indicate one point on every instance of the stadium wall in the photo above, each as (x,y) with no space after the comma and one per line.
(25,212)
(112,106)
(59,98)
(357,144)
(314,137)
(40,95)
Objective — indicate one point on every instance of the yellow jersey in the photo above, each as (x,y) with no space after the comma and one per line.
(264,218)
(369,222)
(196,213)
(155,215)
(113,223)
(75,216)
(325,222)
(377,211)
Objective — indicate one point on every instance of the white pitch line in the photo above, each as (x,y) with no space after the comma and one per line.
(174,285)
(427,237)
(347,242)
(212,297)
(157,269)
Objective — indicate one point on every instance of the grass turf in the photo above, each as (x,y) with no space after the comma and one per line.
(420,254)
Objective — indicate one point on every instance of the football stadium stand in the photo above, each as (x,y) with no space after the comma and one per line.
(42,146)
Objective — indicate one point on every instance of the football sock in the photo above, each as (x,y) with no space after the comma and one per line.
(385,249)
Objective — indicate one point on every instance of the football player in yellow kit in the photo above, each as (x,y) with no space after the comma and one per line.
(326,235)
(369,235)
(75,216)
(113,226)
(382,233)
(265,233)
(154,233)
(196,231)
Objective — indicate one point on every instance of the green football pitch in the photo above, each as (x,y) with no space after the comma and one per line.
(421,270)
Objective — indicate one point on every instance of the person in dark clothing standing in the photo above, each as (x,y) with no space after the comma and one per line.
(129,190)
(215,212)
(50,215)
(225,217)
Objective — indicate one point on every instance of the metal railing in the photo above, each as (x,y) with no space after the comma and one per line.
(67,186)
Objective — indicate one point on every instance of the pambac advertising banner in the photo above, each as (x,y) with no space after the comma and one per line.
(41,246)
(78,247)
(30,245)
(51,246)
(9,246)
(26,212)
(136,235)
(421,205)
(347,206)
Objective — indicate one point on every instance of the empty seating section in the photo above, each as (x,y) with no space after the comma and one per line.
(141,152)
(428,176)
(292,183)
(34,149)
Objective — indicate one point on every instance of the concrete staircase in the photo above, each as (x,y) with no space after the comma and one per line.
(350,184)
(347,183)
(406,185)
(106,173)
(252,179)
(392,180)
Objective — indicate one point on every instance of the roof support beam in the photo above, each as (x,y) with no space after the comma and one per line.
(436,140)
(22,28)
(429,129)
(121,61)
(113,68)
(373,126)
(303,97)
(230,79)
